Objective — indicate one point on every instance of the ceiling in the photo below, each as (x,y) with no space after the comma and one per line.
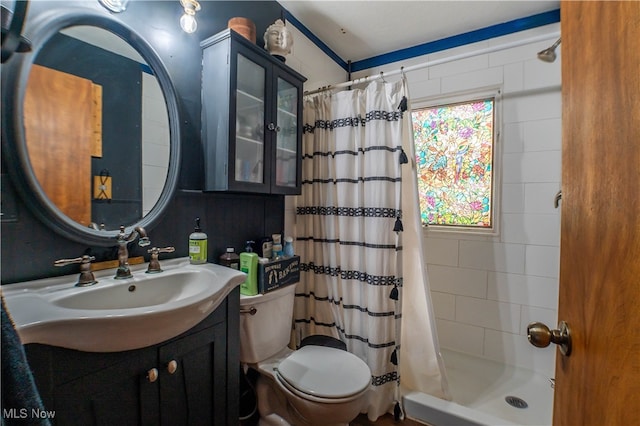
(361,29)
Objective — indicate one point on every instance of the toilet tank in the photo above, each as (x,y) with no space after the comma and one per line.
(268,331)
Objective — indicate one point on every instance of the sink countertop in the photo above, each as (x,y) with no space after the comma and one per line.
(116,315)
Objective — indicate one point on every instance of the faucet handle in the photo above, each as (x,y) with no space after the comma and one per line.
(86,277)
(82,259)
(154,264)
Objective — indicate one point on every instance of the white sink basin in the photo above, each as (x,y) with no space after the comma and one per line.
(139,292)
(117,315)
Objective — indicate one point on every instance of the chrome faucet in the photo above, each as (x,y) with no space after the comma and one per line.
(123,239)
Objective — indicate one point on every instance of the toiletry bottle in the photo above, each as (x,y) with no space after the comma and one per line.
(276,249)
(288,247)
(198,245)
(276,252)
(230,259)
(265,248)
(249,265)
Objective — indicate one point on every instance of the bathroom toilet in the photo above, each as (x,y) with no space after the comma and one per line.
(314,385)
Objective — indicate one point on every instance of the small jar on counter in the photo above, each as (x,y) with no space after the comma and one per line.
(230,259)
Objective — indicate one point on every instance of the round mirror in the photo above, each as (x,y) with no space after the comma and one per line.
(91,132)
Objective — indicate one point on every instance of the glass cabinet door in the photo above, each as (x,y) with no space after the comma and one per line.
(250,110)
(286,139)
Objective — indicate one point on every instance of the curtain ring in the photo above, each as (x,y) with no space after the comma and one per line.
(382,77)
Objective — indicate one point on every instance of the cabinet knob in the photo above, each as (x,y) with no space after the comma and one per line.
(272,126)
(152,375)
(172,366)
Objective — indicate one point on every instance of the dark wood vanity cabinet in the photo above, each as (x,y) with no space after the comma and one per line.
(251,118)
(195,381)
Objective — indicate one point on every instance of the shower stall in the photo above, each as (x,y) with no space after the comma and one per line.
(485,392)
(486,289)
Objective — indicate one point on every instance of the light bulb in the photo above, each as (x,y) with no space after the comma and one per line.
(188,23)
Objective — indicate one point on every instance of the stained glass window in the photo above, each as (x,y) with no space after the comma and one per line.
(454,146)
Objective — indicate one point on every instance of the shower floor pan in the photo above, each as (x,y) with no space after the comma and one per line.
(485,392)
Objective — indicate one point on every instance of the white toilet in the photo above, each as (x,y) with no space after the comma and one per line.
(314,385)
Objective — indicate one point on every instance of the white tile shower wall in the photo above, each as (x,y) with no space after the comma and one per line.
(485,290)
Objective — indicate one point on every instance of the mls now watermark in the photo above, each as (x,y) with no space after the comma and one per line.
(26,413)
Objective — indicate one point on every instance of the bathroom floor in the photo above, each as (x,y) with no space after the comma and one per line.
(386,420)
(361,420)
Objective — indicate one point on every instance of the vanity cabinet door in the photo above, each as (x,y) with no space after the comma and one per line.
(119,394)
(189,372)
(251,118)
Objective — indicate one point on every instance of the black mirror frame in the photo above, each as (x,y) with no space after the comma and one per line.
(15,74)
(12,40)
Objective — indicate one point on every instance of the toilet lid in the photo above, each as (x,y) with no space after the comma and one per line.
(325,372)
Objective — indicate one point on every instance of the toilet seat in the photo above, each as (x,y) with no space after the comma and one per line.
(324,374)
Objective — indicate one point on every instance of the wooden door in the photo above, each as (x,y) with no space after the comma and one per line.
(599,383)
(59,125)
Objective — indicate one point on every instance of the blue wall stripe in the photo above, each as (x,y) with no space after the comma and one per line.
(146,68)
(311,36)
(460,40)
(482,34)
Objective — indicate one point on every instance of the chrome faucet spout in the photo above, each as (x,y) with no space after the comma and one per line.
(144,240)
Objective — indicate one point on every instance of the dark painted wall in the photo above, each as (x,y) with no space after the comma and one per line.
(29,248)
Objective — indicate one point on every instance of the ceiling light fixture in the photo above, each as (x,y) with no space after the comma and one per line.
(188,19)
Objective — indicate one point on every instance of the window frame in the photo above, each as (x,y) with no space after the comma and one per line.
(496,182)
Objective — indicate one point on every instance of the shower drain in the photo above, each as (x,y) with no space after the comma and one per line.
(514,401)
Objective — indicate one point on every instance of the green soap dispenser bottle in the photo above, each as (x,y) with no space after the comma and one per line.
(249,265)
(198,245)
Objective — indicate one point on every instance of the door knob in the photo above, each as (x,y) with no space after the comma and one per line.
(540,336)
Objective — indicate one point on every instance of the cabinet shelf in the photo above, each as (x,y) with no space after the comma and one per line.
(250,140)
(250,96)
(291,152)
(285,112)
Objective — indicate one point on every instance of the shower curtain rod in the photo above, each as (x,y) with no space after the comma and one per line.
(436,62)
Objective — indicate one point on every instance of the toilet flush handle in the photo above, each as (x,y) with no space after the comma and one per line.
(251,310)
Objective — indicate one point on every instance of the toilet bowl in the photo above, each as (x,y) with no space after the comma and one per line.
(314,385)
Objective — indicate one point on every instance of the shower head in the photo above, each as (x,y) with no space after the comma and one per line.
(549,54)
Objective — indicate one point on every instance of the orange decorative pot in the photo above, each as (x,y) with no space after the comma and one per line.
(243,26)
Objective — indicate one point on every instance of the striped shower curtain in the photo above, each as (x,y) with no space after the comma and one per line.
(349,229)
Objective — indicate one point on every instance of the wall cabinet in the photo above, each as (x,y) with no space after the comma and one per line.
(189,380)
(251,118)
